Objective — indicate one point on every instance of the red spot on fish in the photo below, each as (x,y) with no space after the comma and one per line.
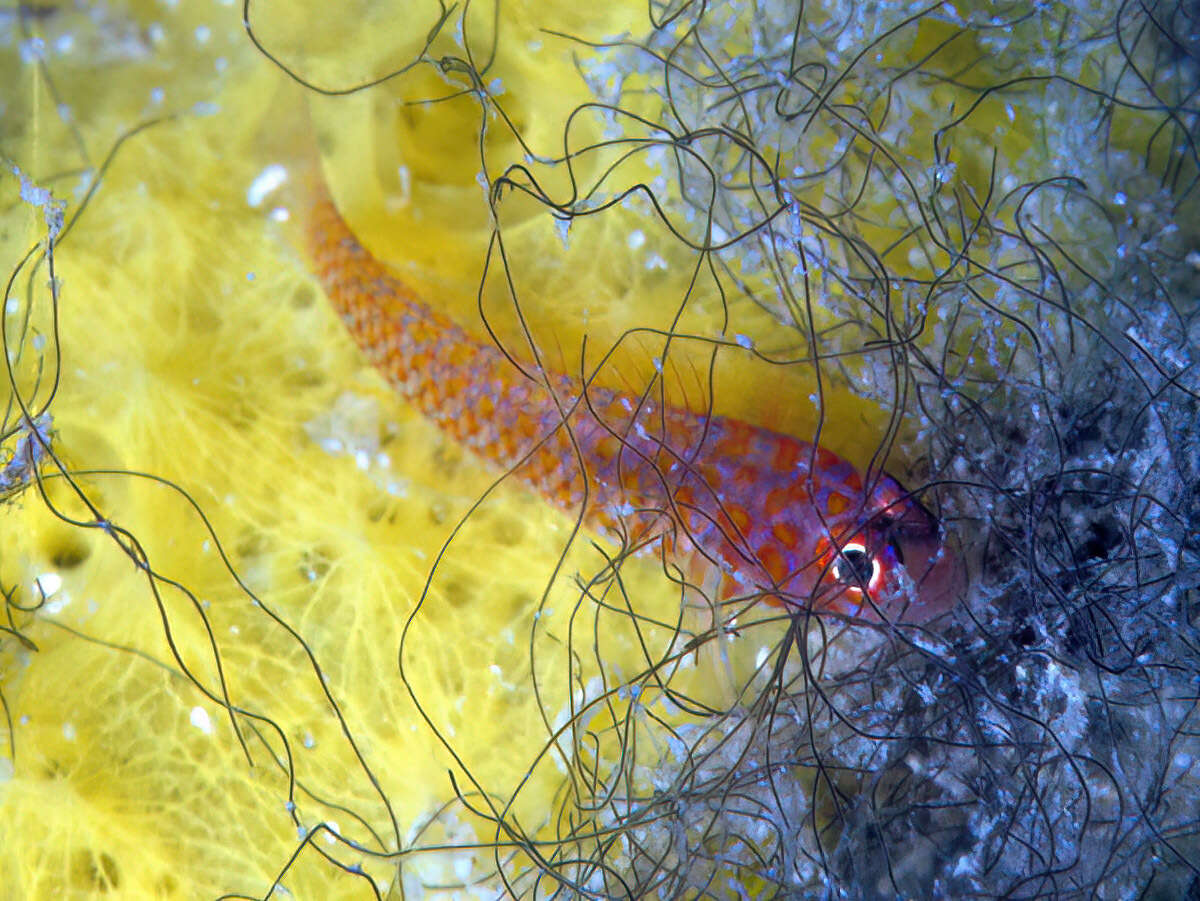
(788,454)
(786,534)
(775,564)
(738,516)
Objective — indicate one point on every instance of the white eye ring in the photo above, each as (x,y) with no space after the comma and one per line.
(848,567)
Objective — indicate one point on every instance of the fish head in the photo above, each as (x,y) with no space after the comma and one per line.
(889,561)
(801,528)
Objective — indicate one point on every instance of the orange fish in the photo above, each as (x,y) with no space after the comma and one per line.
(775,515)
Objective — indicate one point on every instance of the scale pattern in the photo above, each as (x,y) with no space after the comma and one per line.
(770,511)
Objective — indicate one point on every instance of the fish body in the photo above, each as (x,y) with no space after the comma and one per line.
(775,515)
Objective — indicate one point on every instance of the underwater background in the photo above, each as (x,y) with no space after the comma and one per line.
(267,632)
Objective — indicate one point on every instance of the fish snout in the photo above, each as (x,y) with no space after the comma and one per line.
(933,579)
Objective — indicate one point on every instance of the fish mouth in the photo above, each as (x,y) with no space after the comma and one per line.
(939,581)
(935,575)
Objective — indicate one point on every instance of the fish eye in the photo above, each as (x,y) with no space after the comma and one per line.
(855,567)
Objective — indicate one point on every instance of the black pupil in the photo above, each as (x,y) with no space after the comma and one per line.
(853,567)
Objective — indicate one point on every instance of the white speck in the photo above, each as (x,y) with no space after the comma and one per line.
(943,172)
(309,741)
(269,180)
(69,731)
(967,864)
(58,605)
(52,210)
(199,719)
(462,868)
(203,33)
(404,177)
(656,261)
(48,584)
(743,341)
(657,364)
(495,671)
(32,50)
(155,32)
(1120,199)
(761,657)
(563,227)
(64,43)
(636,239)
(157,95)
(533,46)
(280,214)
(12,305)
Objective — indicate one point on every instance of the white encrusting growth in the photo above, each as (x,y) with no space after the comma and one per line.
(266,183)
(200,719)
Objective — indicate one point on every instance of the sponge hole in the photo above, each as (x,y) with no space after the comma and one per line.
(304,297)
(66,550)
(92,872)
(461,592)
